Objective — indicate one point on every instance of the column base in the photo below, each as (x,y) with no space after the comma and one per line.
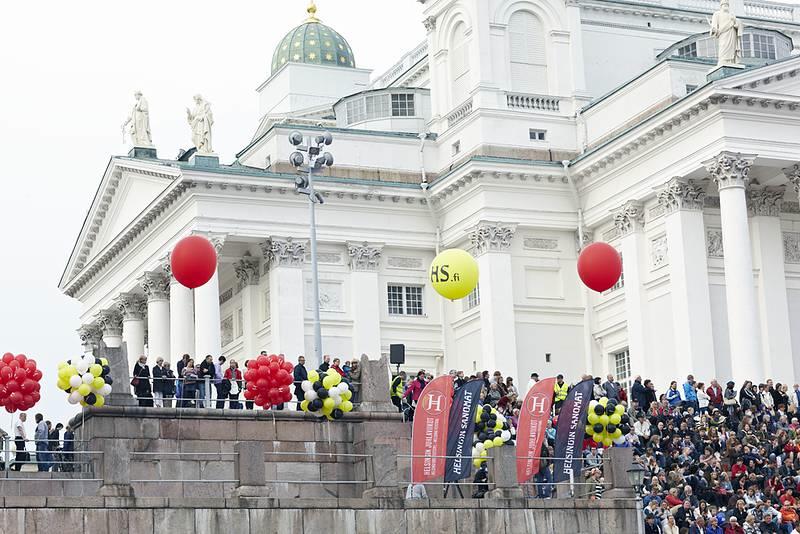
(505,493)
(115,490)
(121,399)
(252,491)
(368,406)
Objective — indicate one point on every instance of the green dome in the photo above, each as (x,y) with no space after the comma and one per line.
(314,43)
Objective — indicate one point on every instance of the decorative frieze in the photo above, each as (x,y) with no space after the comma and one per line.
(225,296)
(285,252)
(714,244)
(793,175)
(730,169)
(247,270)
(364,257)
(679,194)
(540,243)
(155,286)
(429,23)
(401,262)
(226,330)
(331,296)
(659,252)
(791,247)
(765,201)
(492,237)
(330,258)
(629,218)
(132,306)
(166,266)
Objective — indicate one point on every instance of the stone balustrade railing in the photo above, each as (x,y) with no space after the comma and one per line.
(533,102)
(459,114)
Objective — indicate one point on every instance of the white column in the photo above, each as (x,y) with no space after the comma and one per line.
(132,307)
(286,257)
(682,201)
(90,337)
(181,317)
(156,288)
(248,275)
(492,244)
(629,221)
(110,322)
(776,340)
(365,298)
(730,172)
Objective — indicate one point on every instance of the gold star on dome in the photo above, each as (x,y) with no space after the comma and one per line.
(312,42)
(312,56)
(283,60)
(341,47)
(328,44)
(329,57)
(342,59)
(284,47)
(297,44)
(296,57)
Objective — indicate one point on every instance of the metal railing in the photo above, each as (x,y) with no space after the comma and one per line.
(60,461)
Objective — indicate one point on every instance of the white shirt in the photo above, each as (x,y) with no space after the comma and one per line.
(19,429)
(531,383)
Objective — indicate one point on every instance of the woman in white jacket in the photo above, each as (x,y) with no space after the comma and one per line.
(702,398)
(669,526)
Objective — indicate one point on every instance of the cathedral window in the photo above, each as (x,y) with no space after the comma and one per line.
(402,105)
(622,367)
(689,50)
(758,45)
(459,64)
(473,300)
(405,300)
(527,53)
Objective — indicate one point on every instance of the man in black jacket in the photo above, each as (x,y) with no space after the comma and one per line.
(326,363)
(158,384)
(206,370)
(639,393)
(300,374)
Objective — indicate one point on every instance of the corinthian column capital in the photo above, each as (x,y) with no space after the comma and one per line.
(679,194)
(131,305)
(793,175)
(110,322)
(155,286)
(730,169)
(765,201)
(492,237)
(247,270)
(285,251)
(364,257)
(629,218)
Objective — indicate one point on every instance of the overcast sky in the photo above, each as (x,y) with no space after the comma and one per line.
(68,74)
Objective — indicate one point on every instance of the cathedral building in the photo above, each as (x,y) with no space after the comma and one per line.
(519,130)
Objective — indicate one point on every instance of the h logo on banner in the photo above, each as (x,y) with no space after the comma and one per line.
(434,402)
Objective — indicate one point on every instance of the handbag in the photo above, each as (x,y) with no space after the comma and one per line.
(135,381)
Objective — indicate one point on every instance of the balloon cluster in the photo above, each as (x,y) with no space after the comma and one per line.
(19,382)
(492,429)
(87,380)
(326,395)
(268,379)
(607,422)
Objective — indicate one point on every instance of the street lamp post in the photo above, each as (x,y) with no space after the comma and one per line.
(636,476)
(310,155)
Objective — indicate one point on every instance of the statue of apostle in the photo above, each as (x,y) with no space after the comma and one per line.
(728,31)
(200,120)
(139,122)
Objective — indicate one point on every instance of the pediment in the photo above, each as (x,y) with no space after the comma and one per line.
(128,187)
(781,78)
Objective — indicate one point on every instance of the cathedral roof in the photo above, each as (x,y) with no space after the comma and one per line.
(313,43)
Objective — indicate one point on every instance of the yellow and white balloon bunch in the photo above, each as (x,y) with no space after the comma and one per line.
(607,422)
(326,395)
(86,379)
(492,429)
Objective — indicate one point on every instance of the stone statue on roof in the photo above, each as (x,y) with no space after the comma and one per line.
(138,123)
(728,31)
(201,120)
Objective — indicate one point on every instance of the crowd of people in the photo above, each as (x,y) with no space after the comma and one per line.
(54,452)
(219,384)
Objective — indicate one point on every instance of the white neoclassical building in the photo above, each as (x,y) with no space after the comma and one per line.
(514,128)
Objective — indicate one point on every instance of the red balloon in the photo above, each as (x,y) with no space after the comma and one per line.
(21,359)
(248,394)
(599,266)
(20,375)
(262,384)
(288,367)
(37,375)
(14,364)
(193,261)
(27,400)
(12,386)
(262,371)
(250,375)
(6,373)
(7,357)
(262,361)
(10,408)
(16,397)
(274,367)
(252,364)
(36,397)
(28,386)
(283,377)
(30,367)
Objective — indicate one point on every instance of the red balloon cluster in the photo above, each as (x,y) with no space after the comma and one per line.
(268,380)
(599,266)
(19,382)
(193,261)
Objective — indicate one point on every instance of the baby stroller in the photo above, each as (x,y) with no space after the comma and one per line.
(59,459)
(408,411)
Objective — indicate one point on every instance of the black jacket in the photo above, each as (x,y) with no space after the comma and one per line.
(639,394)
(168,383)
(300,374)
(142,372)
(158,384)
(207,369)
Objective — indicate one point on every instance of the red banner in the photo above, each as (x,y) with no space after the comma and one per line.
(429,433)
(532,423)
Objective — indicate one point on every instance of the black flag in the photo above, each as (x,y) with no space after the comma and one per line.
(570,432)
(460,431)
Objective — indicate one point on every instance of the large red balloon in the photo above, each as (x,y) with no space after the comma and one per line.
(193,261)
(599,266)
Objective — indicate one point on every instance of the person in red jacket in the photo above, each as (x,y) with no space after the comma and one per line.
(714,393)
(337,366)
(738,468)
(416,387)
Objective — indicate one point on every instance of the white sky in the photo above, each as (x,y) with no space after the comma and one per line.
(67,75)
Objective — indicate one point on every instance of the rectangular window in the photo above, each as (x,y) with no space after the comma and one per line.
(403,105)
(456,148)
(690,88)
(473,299)
(689,50)
(377,106)
(405,300)
(355,111)
(758,46)
(622,368)
(537,135)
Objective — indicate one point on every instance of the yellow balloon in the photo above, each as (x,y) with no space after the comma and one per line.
(304,405)
(607,442)
(603,401)
(337,378)
(346,406)
(100,401)
(84,389)
(61,365)
(63,384)
(326,411)
(96,369)
(477,462)
(97,383)
(498,441)
(347,395)
(616,434)
(103,361)
(603,420)
(329,403)
(597,438)
(84,404)
(619,409)
(593,418)
(614,418)
(484,453)
(454,273)
(313,376)
(488,444)
(327,382)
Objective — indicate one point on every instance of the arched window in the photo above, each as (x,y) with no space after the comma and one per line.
(528,57)
(459,63)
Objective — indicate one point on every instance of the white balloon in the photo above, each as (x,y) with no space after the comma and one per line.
(82,366)
(306,385)
(506,435)
(479,446)
(620,440)
(75,381)
(74,397)
(311,395)
(88,378)
(105,391)
(343,386)
(475,452)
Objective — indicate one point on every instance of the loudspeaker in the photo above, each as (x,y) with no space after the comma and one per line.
(397,354)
